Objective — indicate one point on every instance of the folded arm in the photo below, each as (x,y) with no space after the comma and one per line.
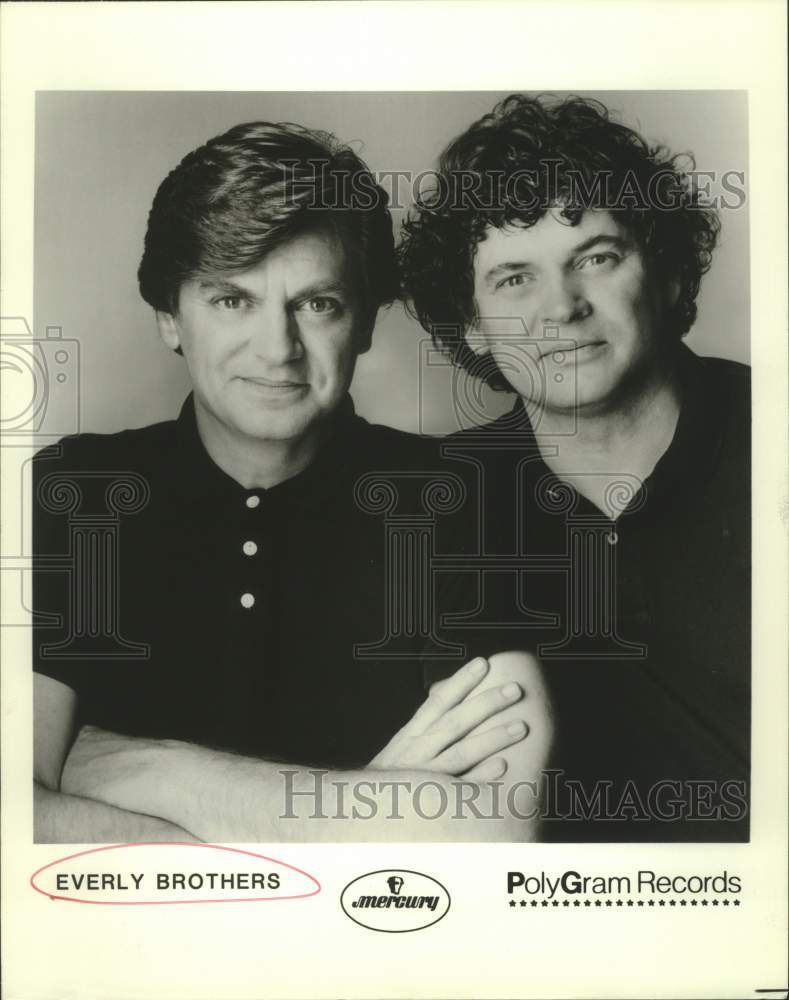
(411,791)
(73,819)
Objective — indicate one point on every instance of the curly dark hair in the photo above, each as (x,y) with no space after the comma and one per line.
(245,192)
(528,155)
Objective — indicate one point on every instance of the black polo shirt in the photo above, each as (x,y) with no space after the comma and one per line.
(252,620)
(642,623)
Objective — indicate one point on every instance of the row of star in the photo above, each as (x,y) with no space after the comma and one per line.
(629,902)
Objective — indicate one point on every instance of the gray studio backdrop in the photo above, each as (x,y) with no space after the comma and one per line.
(101,155)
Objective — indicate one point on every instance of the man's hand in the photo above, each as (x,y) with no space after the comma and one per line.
(443,734)
(221,797)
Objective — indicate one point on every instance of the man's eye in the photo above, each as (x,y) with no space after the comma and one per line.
(598,260)
(513,281)
(229,302)
(322,305)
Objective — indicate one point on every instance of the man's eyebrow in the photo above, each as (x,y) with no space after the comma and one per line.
(513,266)
(222,285)
(602,238)
(228,287)
(336,286)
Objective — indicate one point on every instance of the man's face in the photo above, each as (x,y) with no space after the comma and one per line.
(272,350)
(592,313)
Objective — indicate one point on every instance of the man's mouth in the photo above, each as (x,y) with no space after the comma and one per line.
(272,385)
(573,351)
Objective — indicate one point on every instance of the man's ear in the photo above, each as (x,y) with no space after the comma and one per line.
(673,288)
(667,284)
(364,333)
(168,330)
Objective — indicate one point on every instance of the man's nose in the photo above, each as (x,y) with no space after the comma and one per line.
(563,300)
(276,337)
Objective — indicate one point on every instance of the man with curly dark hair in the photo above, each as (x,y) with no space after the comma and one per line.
(247,573)
(559,256)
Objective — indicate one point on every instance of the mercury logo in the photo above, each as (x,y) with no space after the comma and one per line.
(395,901)
(395,884)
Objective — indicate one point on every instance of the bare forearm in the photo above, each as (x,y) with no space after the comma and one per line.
(223,797)
(70,819)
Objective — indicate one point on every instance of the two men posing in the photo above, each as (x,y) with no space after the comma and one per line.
(605,525)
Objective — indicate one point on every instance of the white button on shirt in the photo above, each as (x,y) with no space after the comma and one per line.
(253,501)
(247,600)
(250,548)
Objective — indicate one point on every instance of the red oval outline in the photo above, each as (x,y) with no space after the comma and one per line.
(172,902)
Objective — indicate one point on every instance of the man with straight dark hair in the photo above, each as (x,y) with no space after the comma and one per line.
(216,635)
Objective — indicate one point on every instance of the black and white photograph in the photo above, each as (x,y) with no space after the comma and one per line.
(392,530)
(253,596)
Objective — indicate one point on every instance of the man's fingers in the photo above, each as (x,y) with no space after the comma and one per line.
(444,695)
(472,750)
(488,770)
(465,717)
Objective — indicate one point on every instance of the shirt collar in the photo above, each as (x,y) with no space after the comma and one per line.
(203,480)
(697,438)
